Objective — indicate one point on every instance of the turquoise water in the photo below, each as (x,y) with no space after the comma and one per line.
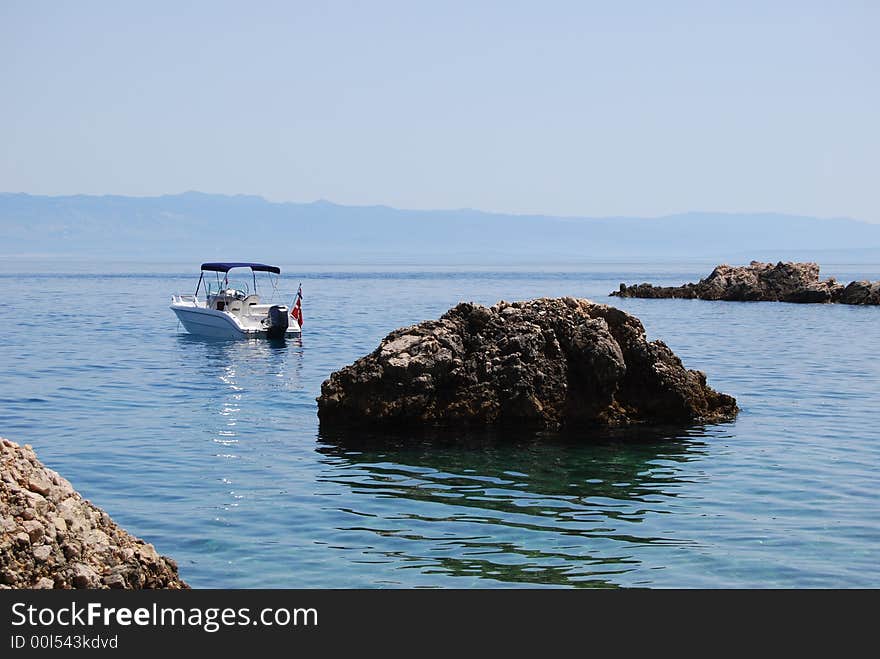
(211,450)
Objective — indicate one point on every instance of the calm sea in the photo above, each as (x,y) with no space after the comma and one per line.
(211,450)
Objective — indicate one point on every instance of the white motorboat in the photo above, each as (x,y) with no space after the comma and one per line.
(236,311)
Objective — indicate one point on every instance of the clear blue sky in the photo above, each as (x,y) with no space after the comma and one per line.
(571,108)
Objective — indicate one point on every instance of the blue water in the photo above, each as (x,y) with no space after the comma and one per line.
(211,450)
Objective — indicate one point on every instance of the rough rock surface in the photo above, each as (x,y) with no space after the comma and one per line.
(860,292)
(764,282)
(50,537)
(546,363)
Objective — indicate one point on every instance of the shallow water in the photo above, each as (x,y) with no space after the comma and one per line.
(211,449)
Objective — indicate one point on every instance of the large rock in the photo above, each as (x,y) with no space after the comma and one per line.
(50,537)
(860,292)
(762,282)
(546,363)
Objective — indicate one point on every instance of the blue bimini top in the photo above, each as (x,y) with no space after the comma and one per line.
(226,267)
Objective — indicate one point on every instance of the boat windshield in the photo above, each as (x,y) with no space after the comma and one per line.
(237,286)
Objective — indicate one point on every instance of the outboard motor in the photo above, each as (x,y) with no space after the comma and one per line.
(277,321)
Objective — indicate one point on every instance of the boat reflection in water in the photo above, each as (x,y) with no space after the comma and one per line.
(242,382)
(269,358)
(529,510)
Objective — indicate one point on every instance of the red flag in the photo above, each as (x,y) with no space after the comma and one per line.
(296,313)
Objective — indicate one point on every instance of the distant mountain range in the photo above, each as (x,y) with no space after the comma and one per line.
(194,227)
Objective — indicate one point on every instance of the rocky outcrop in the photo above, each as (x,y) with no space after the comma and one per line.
(860,292)
(763,282)
(50,537)
(546,363)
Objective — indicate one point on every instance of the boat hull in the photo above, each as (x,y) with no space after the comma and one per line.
(221,325)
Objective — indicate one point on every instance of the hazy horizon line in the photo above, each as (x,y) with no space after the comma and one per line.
(524,214)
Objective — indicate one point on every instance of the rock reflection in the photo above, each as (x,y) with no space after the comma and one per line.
(527,510)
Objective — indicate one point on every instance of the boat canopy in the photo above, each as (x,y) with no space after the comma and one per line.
(226,267)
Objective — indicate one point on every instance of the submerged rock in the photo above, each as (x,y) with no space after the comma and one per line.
(763,282)
(50,537)
(546,363)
